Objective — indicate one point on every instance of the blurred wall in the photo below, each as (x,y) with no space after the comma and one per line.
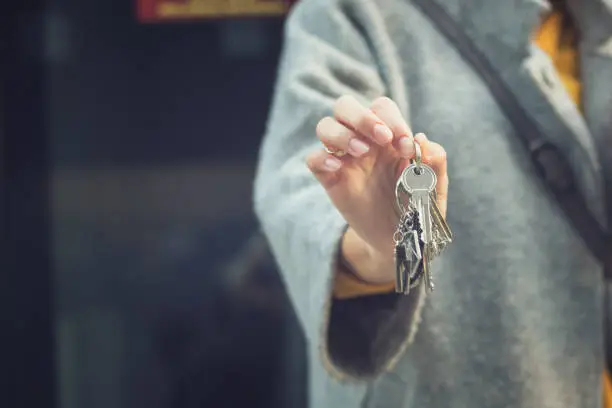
(182,92)
(155,135)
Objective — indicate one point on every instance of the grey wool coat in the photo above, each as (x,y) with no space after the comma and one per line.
(515,320)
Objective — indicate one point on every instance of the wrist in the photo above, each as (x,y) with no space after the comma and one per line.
(364,262)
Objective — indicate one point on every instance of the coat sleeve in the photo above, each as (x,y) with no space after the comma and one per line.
(326,54)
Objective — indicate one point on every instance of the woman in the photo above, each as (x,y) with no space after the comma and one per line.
(515,320)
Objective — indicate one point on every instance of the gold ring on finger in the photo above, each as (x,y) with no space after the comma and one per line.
(334,152)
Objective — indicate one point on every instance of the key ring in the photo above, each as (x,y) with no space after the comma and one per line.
(418,158)
(417,161)
(398,237)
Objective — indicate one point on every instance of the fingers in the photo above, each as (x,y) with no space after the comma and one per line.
(433,153)
(325,167)
(337,136)
(389,112)
(354,128)
(382,123)
(352,114)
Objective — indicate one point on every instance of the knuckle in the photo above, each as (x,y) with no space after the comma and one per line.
(366,122)
(312,160)
(337,133)
(330,131)
(322,127)
(421,138)
(383,102)
(441,151)
(309,162)
(342,102)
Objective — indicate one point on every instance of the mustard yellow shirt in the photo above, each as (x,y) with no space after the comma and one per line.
(565,58)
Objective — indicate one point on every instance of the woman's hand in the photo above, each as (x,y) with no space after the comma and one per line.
(361,184)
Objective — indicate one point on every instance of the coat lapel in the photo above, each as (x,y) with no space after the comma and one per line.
(503,32)
(595,22)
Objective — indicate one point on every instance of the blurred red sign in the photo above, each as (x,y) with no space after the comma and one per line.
(173,10)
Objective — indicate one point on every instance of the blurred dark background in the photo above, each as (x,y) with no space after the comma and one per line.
(135,273)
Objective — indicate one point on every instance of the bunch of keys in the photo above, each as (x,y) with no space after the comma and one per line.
(422,233)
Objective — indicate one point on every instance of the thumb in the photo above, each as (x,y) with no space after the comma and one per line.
(434,155)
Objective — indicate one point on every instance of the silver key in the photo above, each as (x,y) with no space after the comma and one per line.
(400,206)
(427,234)
(419,181)
(415,259)
(443,234)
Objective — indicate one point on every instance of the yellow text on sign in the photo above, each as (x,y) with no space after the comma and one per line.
(220,8)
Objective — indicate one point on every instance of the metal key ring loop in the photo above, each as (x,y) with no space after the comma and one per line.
(334,152)
(418,157)
(398,237)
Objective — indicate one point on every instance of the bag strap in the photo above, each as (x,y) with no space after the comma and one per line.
(548,161)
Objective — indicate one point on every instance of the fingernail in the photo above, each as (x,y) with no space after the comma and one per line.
(420,136)
(357,148)
(406,147)
(332,164)
(382,134)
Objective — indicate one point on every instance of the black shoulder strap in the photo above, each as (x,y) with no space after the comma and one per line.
(548,161)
